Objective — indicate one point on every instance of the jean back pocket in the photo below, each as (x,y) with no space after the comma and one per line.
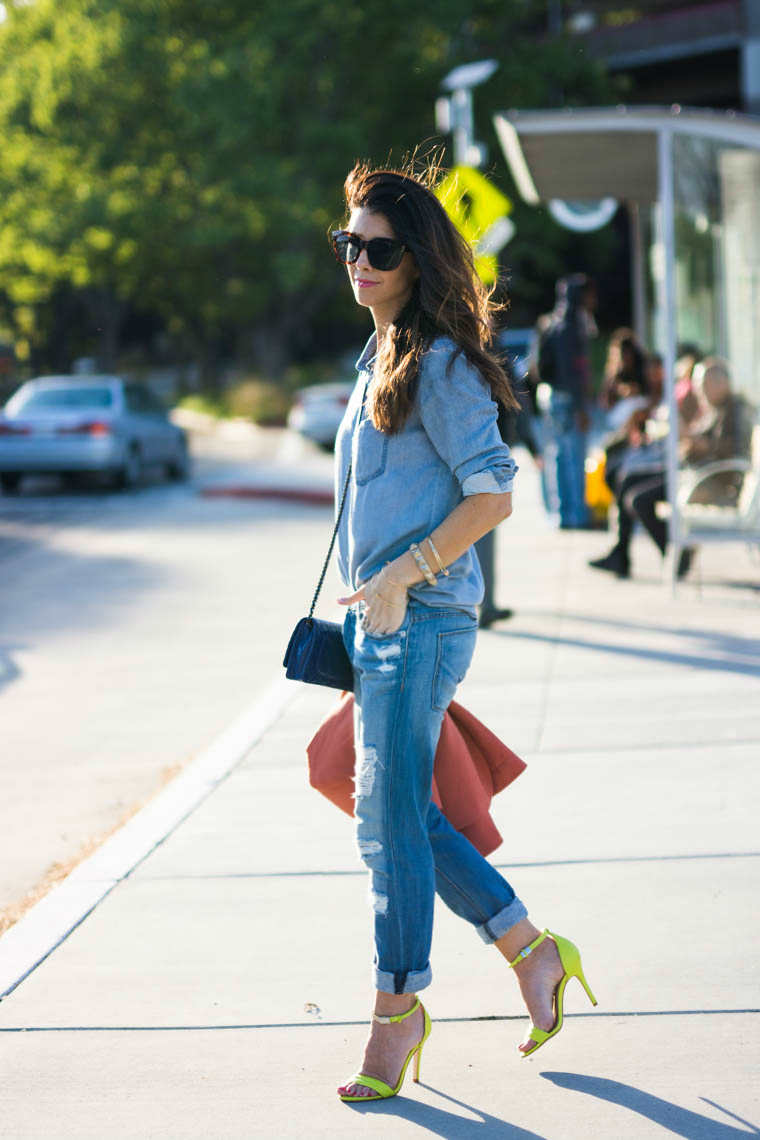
(455,650)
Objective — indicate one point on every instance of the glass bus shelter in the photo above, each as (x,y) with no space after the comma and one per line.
(691,180)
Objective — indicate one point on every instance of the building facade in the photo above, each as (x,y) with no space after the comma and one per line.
(700,54)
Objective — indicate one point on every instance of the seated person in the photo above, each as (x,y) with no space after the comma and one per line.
(634,462)
(656,377)
(625,372)
(722,429)
(686,397)
(633,406)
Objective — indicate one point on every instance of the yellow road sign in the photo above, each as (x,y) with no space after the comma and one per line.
(480,213)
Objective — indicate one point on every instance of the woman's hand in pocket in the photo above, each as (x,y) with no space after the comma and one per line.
(385,605)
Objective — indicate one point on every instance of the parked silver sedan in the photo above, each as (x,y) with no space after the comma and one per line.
(68,424)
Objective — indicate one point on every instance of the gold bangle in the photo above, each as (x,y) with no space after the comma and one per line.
(396,605)
(437,556)
(399,585)
(421,561)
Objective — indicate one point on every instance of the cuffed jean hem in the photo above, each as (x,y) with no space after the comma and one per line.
(502,922)
(412,982)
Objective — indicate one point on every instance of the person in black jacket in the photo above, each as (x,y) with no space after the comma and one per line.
(513,426)
(563,363)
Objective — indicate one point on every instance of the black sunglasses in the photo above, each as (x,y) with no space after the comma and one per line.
(383,253)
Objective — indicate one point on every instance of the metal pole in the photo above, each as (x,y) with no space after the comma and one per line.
(638,293)
(464,125)
(750,57)
(667,216)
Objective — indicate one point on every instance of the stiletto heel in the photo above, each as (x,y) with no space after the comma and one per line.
(570,958)
(379,1087)
(582,979)
(417,1063)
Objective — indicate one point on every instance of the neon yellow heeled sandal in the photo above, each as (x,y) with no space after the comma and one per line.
(379,1087)
(570,957)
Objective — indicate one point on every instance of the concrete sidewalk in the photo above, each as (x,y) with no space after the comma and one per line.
(221,989)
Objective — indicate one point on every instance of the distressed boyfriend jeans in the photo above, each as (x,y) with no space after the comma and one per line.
(403,685)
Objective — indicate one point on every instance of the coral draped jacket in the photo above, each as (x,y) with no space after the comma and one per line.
(471,766)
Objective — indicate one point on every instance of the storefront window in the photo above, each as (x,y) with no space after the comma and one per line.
(717,268)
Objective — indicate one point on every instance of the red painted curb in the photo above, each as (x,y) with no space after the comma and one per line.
(293,495)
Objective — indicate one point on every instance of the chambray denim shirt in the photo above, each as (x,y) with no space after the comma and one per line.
(403,486)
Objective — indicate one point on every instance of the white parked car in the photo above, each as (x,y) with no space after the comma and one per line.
(68,424)
(318,410)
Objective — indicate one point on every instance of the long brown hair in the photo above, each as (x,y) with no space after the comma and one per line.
(448,298)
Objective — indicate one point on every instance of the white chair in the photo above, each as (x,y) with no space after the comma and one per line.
(740,518)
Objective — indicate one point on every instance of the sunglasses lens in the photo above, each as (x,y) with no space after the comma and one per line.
(346,248)
(384,253)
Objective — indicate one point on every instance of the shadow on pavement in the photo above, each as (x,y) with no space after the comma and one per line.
(718,643)
(82,484)
(640,625)
(680,1121)
(60,590)
(738,584)
(449,1125)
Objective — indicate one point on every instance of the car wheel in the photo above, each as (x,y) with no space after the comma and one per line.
(128,475)
(178,468)
(10,481)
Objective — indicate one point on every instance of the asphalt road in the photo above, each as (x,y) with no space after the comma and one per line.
(133,628)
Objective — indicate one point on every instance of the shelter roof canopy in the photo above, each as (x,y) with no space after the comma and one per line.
(587,154)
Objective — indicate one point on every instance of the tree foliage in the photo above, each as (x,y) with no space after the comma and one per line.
(186,158)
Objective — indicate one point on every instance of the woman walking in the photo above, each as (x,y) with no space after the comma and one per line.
(429,475)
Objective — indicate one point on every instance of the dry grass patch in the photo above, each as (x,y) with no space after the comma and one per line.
(55,874)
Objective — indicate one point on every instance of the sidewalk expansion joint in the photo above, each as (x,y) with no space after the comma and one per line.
(320,1023)
(360,873)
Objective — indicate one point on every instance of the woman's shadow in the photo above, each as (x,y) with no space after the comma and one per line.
(671,1117)
(680,1121)
(449,1125)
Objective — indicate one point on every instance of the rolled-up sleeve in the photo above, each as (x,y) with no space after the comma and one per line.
(460,418)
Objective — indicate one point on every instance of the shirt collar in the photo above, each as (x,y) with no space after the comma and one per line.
(367,358)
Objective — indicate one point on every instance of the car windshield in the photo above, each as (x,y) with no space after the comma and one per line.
(84,396)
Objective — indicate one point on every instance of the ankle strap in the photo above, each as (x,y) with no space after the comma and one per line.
(397,1016)
(528,949)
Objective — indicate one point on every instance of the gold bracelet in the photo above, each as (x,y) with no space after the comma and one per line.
(421,561)
(437,556)
(399,585)
(396,605)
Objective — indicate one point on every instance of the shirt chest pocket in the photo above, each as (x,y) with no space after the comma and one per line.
(370,452)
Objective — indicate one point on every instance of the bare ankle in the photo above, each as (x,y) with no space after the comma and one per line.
(516,939)
(390,1005)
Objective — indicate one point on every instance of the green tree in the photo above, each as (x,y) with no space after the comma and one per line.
(187,158)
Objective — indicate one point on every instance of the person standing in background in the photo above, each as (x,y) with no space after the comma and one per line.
(514,425)
(564,364)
